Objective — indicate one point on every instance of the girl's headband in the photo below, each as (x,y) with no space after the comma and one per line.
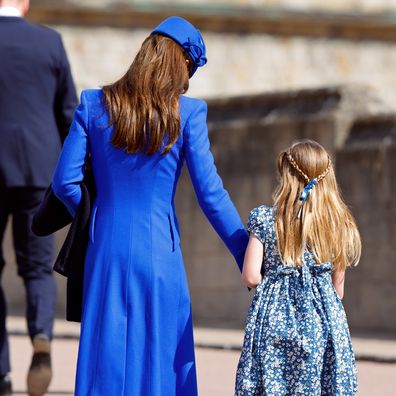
(309,183)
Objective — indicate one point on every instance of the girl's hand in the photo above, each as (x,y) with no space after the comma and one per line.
(251,275)
(338,279)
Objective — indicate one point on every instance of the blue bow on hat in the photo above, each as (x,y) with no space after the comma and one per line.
(187,36)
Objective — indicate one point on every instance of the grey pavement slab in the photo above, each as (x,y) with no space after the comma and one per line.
(366,348)
(215,369)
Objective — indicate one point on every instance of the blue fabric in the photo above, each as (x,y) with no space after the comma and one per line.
(136,330)
(37,102)
(187,36)
(297,340)
(307,189)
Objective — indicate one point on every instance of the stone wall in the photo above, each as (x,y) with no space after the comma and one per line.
(365,6)
(247,133)
(366,166)
(245,64)
(281,52)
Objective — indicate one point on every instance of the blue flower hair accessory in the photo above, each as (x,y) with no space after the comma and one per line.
(305,194)
(307,189)
(310,183)
(187,36)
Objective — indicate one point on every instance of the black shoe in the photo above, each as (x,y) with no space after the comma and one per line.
(5,385)
(40,372)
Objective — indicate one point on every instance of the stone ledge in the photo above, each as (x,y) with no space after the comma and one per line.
(230,20)
(299,103)
(374,128)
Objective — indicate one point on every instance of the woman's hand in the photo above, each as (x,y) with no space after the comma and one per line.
(251,273)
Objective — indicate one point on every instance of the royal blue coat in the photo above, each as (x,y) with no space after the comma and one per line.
(136,330)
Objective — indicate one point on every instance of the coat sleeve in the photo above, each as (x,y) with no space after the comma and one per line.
(212,197)
(69,172)
(65,97)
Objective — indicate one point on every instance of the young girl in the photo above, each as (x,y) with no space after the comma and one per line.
(297,340)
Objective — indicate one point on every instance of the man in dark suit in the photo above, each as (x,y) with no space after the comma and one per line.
(37,101)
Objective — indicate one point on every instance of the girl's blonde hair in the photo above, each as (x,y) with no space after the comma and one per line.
(323,223)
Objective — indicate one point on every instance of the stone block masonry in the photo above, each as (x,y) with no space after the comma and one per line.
(366,165)
(247,133)
(249,124)
(244,64)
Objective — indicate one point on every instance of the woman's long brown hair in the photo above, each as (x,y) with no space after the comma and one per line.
(144,104)
(326,226)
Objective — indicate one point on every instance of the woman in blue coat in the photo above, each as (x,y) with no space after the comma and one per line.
(136,328)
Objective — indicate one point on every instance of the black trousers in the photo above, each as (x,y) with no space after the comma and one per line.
(34,257)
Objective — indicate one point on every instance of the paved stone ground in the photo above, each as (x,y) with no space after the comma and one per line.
(216,370)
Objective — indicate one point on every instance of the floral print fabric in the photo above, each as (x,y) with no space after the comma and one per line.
(297,339)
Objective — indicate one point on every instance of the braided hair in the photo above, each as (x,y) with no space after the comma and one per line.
(324,225)
(306,178)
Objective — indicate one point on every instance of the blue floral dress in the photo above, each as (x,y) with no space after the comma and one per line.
(297,340)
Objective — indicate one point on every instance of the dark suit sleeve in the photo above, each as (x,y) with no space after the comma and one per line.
(212,197)
(65,97)
(69,172)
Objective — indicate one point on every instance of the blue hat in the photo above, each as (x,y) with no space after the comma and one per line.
(187,36)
